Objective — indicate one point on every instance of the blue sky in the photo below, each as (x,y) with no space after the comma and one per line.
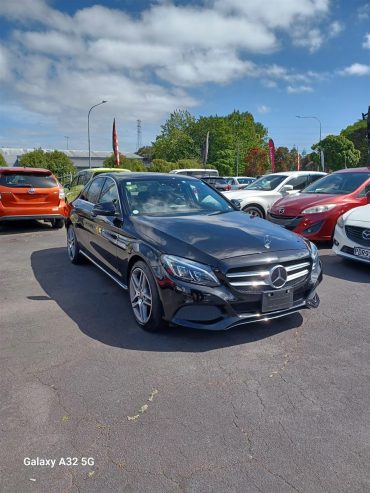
(276,59)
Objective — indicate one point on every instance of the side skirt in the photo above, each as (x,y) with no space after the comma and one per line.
(123,286)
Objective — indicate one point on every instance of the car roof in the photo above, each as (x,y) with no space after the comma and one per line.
(290,173)
(21,169)
(146,174)
(354,170)
(104,170)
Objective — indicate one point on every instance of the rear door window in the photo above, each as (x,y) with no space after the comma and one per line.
(93,193)
(299,182)
(30,180)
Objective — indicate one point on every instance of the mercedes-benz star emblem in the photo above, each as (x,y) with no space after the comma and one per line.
(267,241)
(282,210)
(278,276)
(366,234)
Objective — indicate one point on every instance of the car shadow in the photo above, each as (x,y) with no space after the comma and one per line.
(17,227)
(101,311)
(348,270)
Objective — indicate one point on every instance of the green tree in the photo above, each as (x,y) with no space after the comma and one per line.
(282,159)
(357,134)
(124,162)
(161,166)
(177,145)
(146,152)
(56,161)
(339,152)
(2,161)
(178,120)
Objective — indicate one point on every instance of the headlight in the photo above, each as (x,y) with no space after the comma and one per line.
(316,264)
(189,271)
(340,222)
(61,194)
(319,208)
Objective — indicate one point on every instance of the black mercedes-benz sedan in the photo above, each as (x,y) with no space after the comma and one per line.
(188,256)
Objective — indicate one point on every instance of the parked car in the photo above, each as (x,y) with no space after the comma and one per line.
(352,234)
(314,212)
(31,193)
(257,198)
(217,182)
(187,256)
(83,177)
(239,182)
(197,172)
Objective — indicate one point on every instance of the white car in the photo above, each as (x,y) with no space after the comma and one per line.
(258,197)
(352,234)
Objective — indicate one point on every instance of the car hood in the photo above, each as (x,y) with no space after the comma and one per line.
(215,237)
(359,214)
(295,204)
(244,194)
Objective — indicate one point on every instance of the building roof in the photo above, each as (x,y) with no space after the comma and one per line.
(14,151)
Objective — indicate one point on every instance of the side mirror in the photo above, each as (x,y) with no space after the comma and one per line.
(104,209)
(236,203)
(286,189)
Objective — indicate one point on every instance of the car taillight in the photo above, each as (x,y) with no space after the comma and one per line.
(61,194)
(0,196)
(228,187)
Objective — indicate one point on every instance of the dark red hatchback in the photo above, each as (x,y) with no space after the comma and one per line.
(314,212)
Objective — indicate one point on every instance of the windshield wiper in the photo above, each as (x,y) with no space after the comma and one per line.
(217,212)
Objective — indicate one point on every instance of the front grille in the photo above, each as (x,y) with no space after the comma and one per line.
(288,222)
(354,233)
(254,279)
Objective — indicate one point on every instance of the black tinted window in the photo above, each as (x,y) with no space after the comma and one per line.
(93,193)
(110,193)
(299,182)
(32,180)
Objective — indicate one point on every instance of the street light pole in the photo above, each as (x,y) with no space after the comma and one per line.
(88,128)
(318,120)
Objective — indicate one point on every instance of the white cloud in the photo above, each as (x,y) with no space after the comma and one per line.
(145,65)
(366,43)
(363,12)
(262,108)
(357,69)
(299,89)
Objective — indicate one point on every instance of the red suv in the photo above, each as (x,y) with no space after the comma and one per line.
(31,193)
(314,212)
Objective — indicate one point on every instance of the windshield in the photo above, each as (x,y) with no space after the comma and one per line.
(245,181)
(32,180)
(172,197)
(338,183)
(266,183)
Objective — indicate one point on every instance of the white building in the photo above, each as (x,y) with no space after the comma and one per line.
(79,158)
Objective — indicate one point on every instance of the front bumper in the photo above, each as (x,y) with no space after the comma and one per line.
(344,247)
(314,227)
(221,308)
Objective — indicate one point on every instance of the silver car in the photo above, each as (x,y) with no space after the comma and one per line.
(258,197)
(239,182)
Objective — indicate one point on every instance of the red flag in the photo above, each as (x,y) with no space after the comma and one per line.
(272,155)
(115,144)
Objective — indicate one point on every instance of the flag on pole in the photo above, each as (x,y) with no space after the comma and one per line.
(272,155)
(115,144)
(205,158)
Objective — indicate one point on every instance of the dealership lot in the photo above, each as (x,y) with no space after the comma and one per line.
(281,406)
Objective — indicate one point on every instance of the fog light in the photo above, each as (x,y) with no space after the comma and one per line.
(336,243)
(314,228)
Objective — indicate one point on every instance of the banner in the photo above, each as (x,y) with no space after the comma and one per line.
(115,144)
(272,155)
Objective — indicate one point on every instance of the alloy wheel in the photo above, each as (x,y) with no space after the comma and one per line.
(71,243)
(253,211)
(140,295)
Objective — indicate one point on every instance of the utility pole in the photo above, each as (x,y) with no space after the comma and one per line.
(364,116)
(67,139)
(138,132)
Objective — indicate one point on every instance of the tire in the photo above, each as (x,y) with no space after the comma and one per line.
(57,223)
(73,248)
(145,303)
(254,211)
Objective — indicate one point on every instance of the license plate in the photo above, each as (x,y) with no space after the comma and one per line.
(277,300)
(361,252)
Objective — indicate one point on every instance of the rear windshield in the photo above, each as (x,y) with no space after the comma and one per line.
(338,183)
(266,183)
(32,180)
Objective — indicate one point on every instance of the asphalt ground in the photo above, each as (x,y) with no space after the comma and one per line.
(272,407)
